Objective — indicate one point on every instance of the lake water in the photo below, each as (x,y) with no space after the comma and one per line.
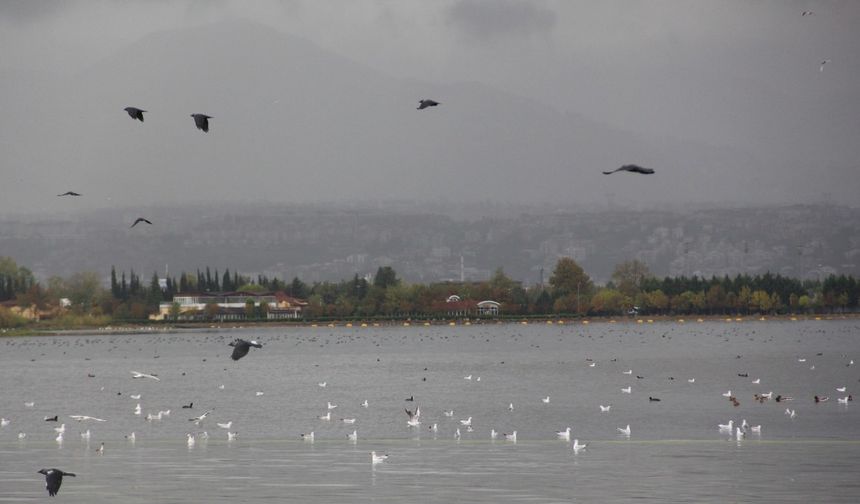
(675,452)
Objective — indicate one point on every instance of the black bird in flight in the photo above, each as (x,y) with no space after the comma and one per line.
(51,419)
(423,104)
(139,220)
(135,113)
(53,479)
(241,348)
(69,193)
(201,121)
(632,168)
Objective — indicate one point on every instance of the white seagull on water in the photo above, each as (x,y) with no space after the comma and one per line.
(377,459)
(512,437)
(565,434)
(578,447)
(625,431)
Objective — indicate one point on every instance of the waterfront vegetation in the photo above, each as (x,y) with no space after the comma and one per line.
(82,300)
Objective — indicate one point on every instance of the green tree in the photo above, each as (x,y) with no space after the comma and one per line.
(83,289)
(607,302)
(568,278)
(385,277)
(629,276)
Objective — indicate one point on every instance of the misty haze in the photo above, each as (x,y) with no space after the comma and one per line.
(480,250)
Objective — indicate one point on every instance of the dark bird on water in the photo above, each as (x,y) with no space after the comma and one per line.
(423,104)
(139,220)
(53,479)
(632,168)
(135,113)
(188,406)
(201,121)
(241,348)
(69,193)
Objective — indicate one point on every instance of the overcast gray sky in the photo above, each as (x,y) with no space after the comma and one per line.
(740,77)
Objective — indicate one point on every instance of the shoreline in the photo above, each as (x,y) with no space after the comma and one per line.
(206,327)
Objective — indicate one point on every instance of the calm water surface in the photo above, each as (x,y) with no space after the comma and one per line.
(674,454)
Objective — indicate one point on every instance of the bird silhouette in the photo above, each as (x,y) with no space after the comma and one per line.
(135,113)
(241,348)
(632,168)
(69,193)
(423,104)
(139,220)
(201,121)
(53,479)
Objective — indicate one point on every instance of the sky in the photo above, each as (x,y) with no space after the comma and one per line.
(741,81)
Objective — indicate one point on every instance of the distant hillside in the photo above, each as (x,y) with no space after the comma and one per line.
(333,243)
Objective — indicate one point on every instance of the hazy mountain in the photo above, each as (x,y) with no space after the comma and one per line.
(292,122)
(426,243)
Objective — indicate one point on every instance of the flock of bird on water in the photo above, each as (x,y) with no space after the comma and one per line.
(242,347)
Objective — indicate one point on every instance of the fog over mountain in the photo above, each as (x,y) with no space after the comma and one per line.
(296,122)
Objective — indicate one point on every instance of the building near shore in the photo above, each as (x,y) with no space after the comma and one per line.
(224,306)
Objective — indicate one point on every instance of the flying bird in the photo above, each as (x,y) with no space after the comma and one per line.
(823,62)
(53,479)
(807,13)
(135,113)
(632,168)
(138,374)
(201,121)
(423,104)
(138,221)
(81,418)
(241,348)
(200,418)
(69,193)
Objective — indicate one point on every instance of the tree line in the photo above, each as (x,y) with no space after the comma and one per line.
(632,290)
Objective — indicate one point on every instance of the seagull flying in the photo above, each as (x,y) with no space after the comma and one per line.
(138,374)
(201,121)
(632,168)
(139,220)
(200,418)
(241,348)
(135,113)
(81,418)
(821,69)
(423,104)
(69,193)
(605,409)
(53,479)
